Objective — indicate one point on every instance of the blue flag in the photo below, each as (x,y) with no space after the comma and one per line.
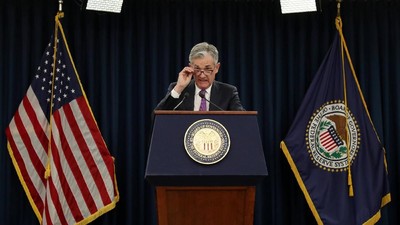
(333,148)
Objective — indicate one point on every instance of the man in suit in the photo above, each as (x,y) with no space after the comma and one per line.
(187,93)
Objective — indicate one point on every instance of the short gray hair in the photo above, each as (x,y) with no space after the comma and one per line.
(201,49)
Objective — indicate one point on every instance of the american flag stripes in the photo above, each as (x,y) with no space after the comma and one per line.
(330,140)
(55,126)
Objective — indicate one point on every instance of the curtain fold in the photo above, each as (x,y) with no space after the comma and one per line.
(126,61)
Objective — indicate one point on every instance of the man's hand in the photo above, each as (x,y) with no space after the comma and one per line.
(184,78)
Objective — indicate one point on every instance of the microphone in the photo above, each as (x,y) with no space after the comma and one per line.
(202,95)
(183,99)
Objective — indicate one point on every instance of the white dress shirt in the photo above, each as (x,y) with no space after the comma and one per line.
(197,98)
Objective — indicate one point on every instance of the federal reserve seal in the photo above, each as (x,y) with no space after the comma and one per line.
(331,138)
(207,141)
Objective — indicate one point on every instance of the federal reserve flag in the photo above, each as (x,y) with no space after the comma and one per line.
(333,148)
(56,146)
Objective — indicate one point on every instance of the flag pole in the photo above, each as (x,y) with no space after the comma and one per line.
(342,48)
(59,15)
(339,28)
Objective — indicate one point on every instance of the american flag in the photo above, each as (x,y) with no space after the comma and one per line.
(82,183)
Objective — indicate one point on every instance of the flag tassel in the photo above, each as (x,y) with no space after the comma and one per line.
(350,183)
(47,172)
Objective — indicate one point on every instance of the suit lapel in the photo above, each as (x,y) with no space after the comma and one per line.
(189,102)
(215,98)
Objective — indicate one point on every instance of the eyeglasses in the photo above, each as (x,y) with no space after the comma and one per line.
(205,71)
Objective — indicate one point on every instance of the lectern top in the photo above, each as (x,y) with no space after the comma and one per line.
(182,112)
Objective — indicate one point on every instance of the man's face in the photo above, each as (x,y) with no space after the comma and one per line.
(204,71)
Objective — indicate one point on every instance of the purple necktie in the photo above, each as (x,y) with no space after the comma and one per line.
(203,105)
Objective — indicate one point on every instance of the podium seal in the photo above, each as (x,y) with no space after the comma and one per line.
(207,141)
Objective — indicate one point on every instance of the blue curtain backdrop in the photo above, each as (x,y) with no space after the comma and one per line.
(127,60)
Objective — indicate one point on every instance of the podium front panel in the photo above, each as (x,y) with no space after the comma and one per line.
(169,164)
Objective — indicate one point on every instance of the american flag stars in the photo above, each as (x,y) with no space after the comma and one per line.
(57,88)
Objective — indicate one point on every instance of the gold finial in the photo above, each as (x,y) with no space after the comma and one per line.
(338,7)
(60,2)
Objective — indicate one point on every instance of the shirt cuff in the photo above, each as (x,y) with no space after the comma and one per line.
(174,94)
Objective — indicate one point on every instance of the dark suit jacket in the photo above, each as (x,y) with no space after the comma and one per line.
(223,95)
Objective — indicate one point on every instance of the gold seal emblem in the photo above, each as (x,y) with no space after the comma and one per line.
(207,141)
(333,137)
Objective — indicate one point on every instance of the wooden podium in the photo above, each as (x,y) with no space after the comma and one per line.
(191,193)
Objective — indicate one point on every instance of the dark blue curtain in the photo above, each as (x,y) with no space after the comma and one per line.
(127,60)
